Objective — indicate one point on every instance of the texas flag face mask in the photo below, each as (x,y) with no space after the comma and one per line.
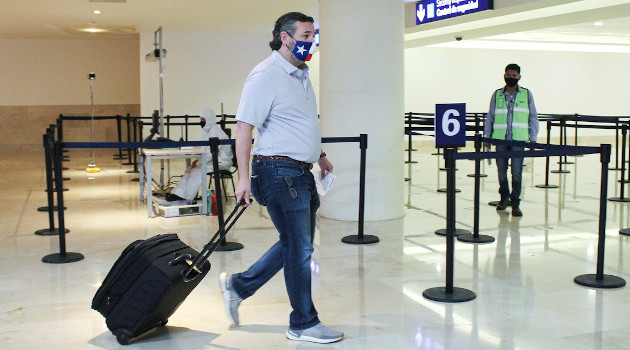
(303,50)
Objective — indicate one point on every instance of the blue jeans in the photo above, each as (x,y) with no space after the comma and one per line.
(288,191)
(517,174)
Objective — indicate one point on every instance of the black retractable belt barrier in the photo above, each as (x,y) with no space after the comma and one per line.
(475,237)
(134,152)
(224,246)
(560,170)
(360,238)
(600,280)
(410,148)
(63,256)
(622,197)
(477,146)
(128,119)
(51,230)
(563,141)
(51,132)
(449,293)
(119,155)
(546,184)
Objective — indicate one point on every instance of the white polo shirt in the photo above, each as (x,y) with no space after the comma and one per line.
(278,99)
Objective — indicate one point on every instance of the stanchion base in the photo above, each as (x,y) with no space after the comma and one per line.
(65,179)
(413,149)
(566,162)
(356,239)
(459,295)
(126,163)
(625,181)
(117,157)
(469,238)
(445,169)
(132,172)
(46,208)
(62,259)
(547,186)
(608,281)
(437,154)
(49,232)
(625,231)
(229,247)
(560,171)
(619,199)
(458,232)
(136,179)
(614,168)
(55,190)
(444,190)
(410,162)
(480,175)
(407,179)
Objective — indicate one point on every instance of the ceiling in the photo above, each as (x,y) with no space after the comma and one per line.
(551,21)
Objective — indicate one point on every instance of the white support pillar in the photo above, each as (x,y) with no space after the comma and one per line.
(362,92)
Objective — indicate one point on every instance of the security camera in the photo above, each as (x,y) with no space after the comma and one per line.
(154,55)
(91,76)
(459,38)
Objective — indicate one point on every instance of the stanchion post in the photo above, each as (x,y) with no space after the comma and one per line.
(409,140)
(119,130)
(560,162)
(546,184)
(128,119)
(224,246)
(62,257)
(600,280)
(475,237)
(51,230)
(449,294)
(622,183)
(361,238)
(134,151)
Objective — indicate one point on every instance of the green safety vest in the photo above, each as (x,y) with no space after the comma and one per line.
(520,116)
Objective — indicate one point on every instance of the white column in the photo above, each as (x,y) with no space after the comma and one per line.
(362,92)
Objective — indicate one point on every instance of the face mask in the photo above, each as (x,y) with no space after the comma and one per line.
(303,50)
(511,82)
(203,123)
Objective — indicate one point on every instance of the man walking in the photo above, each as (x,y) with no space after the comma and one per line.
(278,100)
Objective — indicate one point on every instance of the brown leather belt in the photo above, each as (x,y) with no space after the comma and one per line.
(306,165)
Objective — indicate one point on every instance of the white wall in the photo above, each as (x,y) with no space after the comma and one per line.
(205,70)
(562,82)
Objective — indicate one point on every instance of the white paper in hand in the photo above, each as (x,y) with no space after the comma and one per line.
(322,184)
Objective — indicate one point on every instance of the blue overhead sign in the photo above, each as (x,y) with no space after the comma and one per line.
(435,10)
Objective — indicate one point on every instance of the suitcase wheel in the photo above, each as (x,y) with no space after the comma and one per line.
(123,337)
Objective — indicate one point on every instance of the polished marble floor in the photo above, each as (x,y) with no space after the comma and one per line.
(526,297)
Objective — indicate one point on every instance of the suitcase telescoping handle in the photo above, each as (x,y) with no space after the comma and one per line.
(194,270)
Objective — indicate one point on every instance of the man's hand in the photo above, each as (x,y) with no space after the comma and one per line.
(325,165)
(486,144)
(531,148)
(243,190)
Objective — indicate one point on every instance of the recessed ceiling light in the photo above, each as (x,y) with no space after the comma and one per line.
(598,23)
(96,12)
(93,30)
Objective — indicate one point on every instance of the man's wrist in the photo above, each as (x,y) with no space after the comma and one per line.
(322,155)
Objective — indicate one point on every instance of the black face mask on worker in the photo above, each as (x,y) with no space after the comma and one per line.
(511,82)
(203,123)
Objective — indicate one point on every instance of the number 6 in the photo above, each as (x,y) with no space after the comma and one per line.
(446,121)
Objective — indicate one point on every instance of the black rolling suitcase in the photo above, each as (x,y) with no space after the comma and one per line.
(150,279)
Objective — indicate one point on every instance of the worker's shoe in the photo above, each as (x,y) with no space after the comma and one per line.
(503,203)
(516,211)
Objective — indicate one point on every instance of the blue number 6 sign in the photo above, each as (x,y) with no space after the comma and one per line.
(450,125)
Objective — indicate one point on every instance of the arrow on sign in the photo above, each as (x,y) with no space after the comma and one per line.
(421,13)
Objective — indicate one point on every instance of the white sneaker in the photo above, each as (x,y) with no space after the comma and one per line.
(316,334)
(231,300)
